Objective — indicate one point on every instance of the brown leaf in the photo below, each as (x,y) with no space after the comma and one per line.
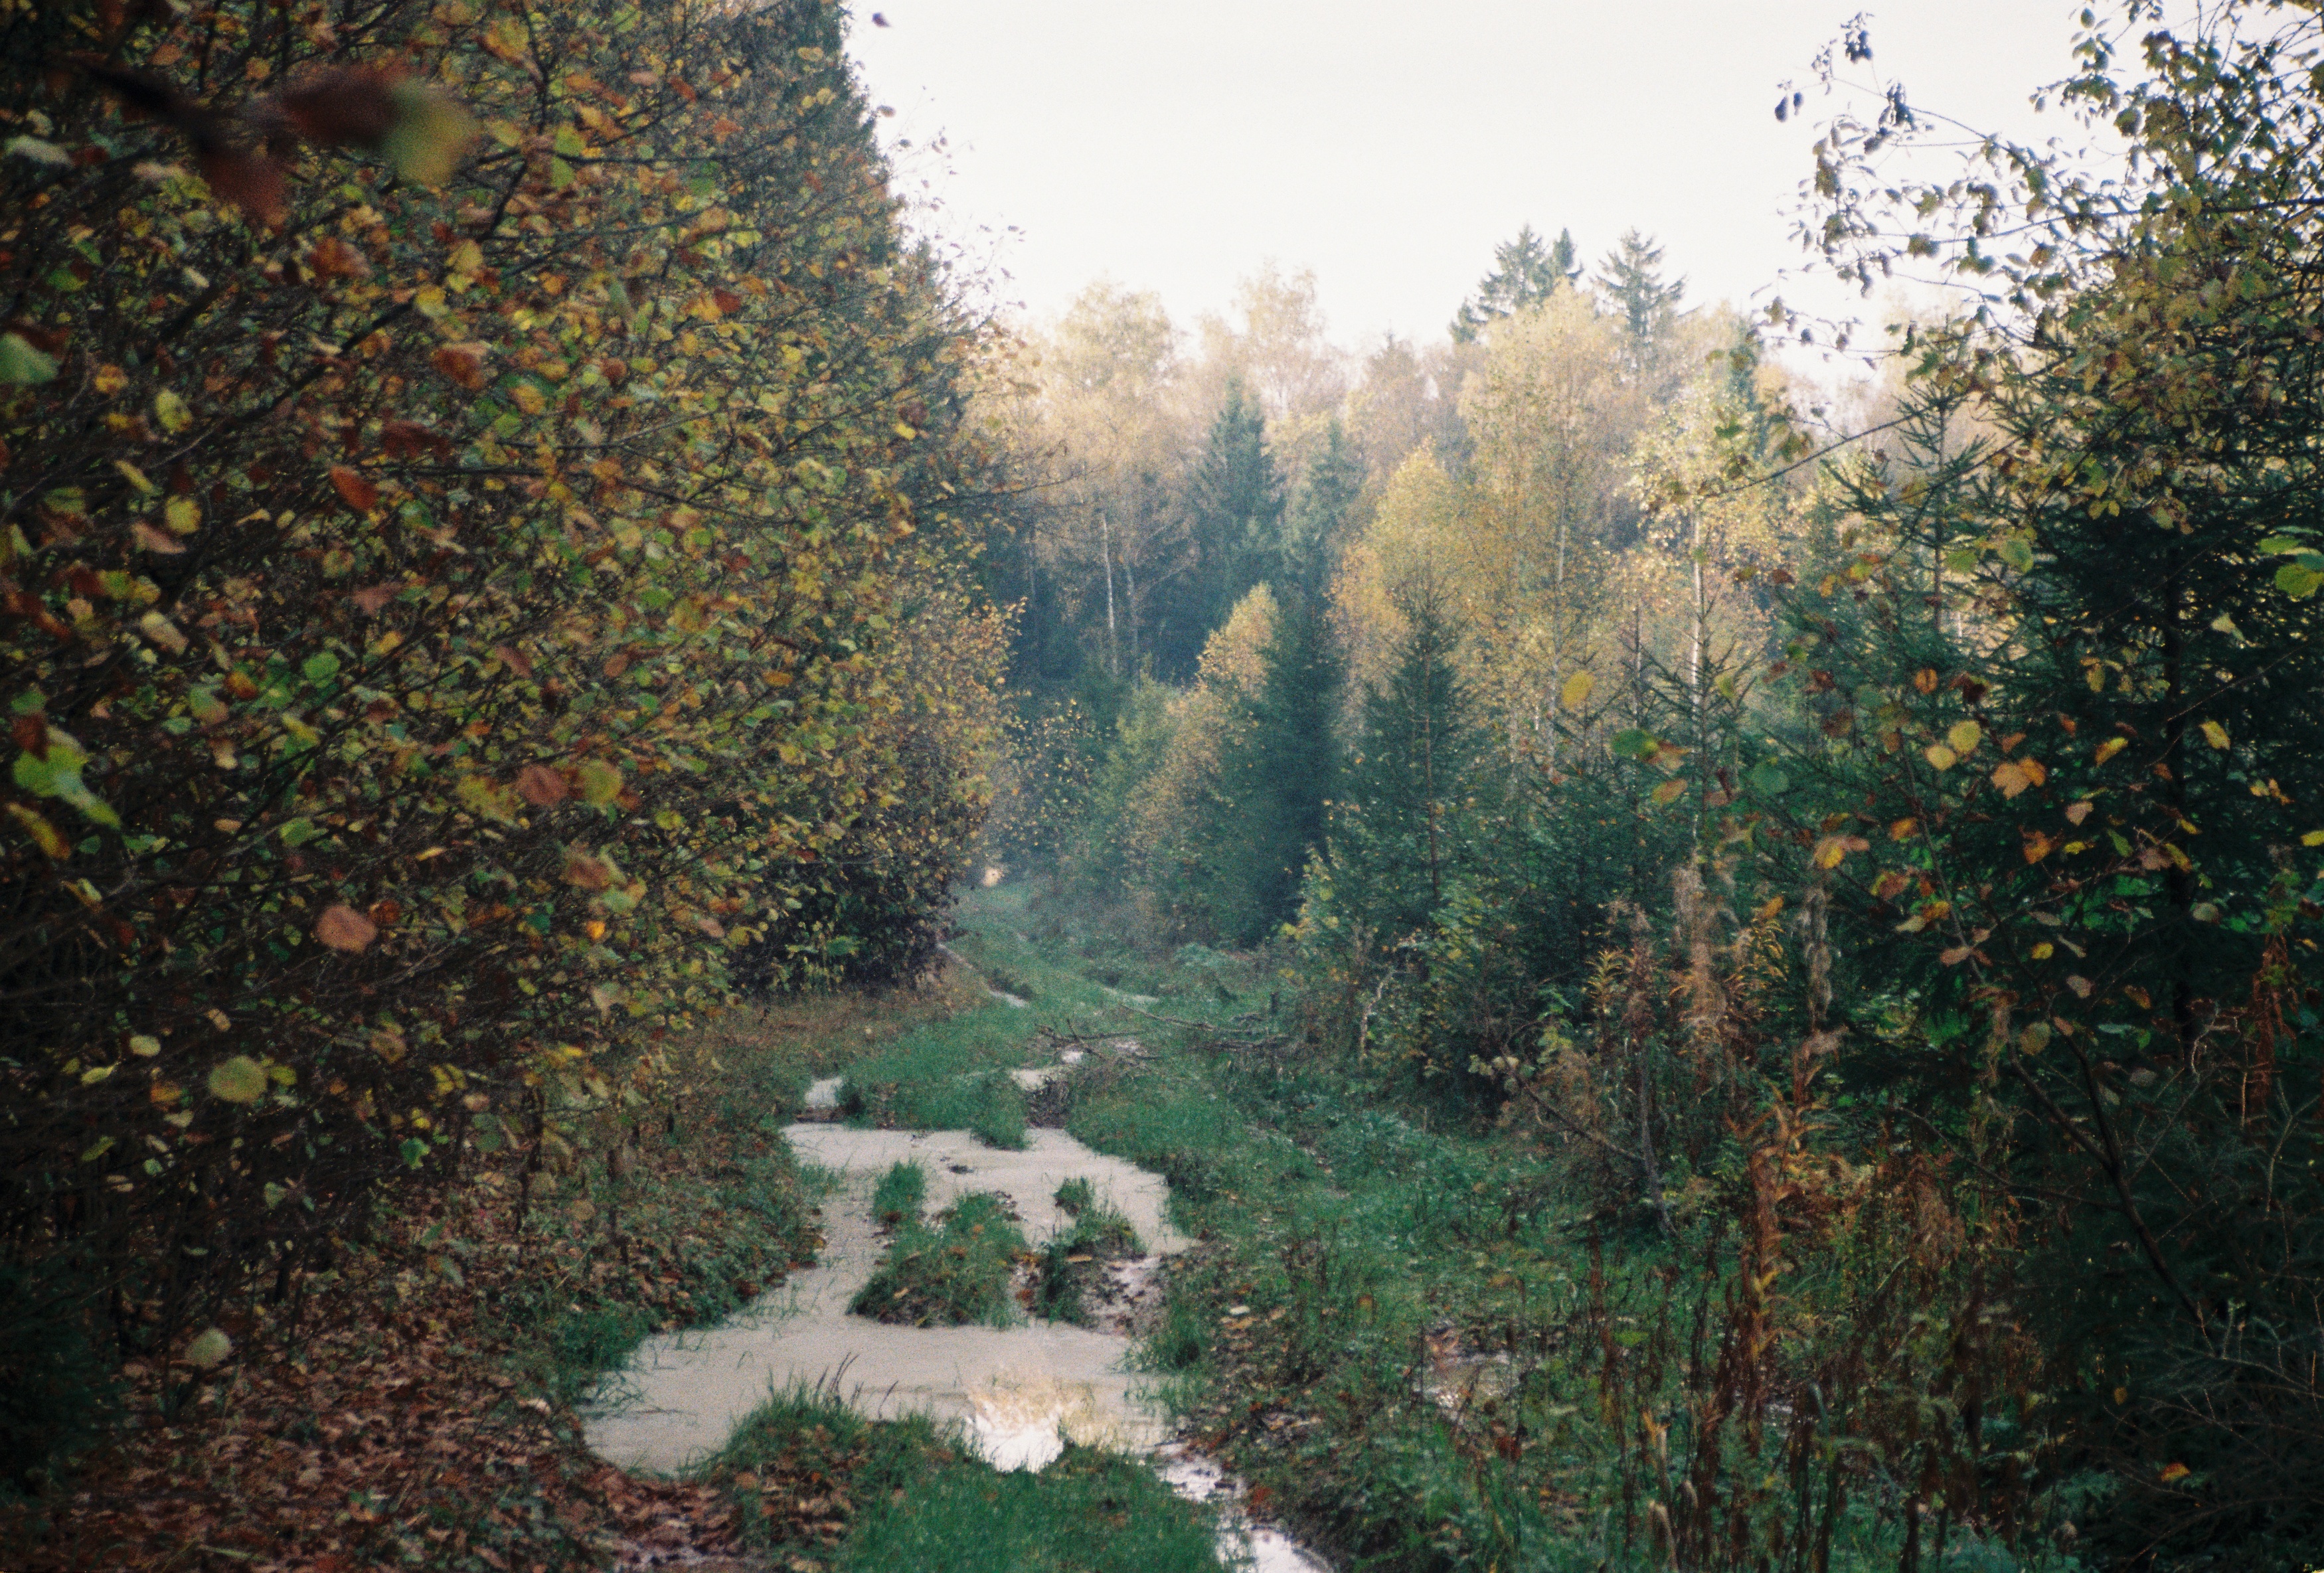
(357,493)
(334,258)
(406,439)
(372,598)
(150,539)
(343,928)
(462,364)
(250,181)
(342,108)
(540,786)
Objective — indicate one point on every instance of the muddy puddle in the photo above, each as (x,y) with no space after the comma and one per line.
(1020,1393)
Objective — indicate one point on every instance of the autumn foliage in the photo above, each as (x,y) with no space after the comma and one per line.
(480,561)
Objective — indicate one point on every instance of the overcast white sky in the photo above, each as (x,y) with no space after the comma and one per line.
(1176,146)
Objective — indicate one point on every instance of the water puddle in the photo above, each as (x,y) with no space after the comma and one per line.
(1267,1548)
(1020,1393)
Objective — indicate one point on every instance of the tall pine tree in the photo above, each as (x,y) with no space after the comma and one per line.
(1278,770)
(1631,279)
(1398,842)
(1235,520)
(1318,521)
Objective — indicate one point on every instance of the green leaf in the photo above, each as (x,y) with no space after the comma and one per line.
(240,1080)
(1769,781)
(320,668)
(2297,581)
(21,364)
(1633,743)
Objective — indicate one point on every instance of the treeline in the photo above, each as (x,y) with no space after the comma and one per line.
(1888,881)
(488,500)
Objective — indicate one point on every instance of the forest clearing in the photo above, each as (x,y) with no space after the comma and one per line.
(675,892)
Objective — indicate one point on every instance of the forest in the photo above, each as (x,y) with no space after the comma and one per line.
(541,617)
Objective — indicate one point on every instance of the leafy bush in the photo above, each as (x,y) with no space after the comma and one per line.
(470,595)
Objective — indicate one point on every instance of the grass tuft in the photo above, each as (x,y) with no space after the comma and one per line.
(950,1275)
(898,1199)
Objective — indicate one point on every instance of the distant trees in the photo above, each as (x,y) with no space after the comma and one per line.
(1526,271)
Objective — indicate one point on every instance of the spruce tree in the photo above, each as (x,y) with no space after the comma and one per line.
(1235,520)
(1631,279)
(1319,516)
(1282,773)
(1526,271)
(1396,844)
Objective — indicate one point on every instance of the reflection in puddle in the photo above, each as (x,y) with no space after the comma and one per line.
(1021,1394)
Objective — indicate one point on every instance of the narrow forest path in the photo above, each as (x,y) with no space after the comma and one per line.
(1019,1395)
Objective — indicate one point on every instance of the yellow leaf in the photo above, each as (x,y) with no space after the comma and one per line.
(183,515)
(208,1349)
(1577,690)
(1940,757)
(171,412)
(2110,747)
(2215,734)
(1964,736)
(1668,791)
(47,835)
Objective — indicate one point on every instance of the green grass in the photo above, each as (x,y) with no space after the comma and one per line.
(815,1485)
(1073,1260)
(1087,1513)
(949,1076)
(952,1274)
(896,1200)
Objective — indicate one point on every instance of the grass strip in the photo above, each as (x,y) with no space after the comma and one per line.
(815,1485)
